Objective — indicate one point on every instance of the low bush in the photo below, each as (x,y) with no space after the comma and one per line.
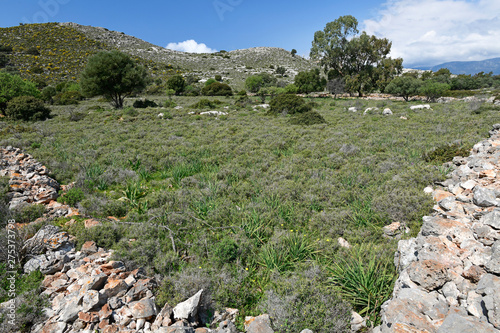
(27,108)
(445,153)
(288,104)
(146,103)
(71,197)
(308,118)
(304,301)
(217,89)
(28,213)
(206,103)
(226,251)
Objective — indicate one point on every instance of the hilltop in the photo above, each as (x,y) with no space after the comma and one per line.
(56,52)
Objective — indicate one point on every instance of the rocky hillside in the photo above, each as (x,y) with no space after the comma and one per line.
(58,52)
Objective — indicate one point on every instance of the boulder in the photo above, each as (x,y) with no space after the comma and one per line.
(189,308)
(260,324)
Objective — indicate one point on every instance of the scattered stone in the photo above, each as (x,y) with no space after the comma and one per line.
(387,112)
(189,308)
(260,324)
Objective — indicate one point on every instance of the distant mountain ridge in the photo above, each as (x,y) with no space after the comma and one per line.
(468,67)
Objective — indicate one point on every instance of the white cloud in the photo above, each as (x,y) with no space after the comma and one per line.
(429,32)
(190,46)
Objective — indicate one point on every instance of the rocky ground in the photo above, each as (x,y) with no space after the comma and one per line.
(450,273)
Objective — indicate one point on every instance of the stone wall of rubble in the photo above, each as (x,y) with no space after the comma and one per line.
(450,273)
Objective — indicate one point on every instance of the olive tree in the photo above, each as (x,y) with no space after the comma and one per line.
(114,75)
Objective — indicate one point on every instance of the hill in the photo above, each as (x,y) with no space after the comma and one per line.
(55,52)
(469,67)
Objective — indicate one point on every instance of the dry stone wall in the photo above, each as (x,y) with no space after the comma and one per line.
(450,273)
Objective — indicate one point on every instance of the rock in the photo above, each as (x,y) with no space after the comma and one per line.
(90,223)
(420,107)
(357,322)
(493,266)
(455,323)
(430,274)
(306,331)
(189,308)
(352,109)
(260,324)
(92,299)
(492,219)
(343,243)
(484,197)
(113,287)
(164,317)
(89,247)
(488,288)
(393,229)
(227,326)
(54,327)
(37,244)
(387,112)
(144,308)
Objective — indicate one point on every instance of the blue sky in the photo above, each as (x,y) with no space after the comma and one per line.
(424,32)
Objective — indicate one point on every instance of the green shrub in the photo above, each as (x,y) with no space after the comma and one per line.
(192,91)
(68,98)
(176,83)
(206,103)
(27,108)
(48,93)
(226,251)
(146,103)
(28,213)
(4,60)
(218,78)
(105,235)
(71,197)
(169,104)
(217,89)
(308,118)
(445,153)
(288,104)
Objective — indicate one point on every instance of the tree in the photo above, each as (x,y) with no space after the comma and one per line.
(177,83)
(263,80)
(361,60)
(336,86)
(114,75)
(281,70)
(404,86)
(310,81)
(433,90)
(294,52)
(13,86)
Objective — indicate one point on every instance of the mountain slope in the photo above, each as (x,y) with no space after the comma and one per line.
(55,52)
(469,67)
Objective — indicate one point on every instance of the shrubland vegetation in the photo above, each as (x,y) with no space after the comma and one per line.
(248,205)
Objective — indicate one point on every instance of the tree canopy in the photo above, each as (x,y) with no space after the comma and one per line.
(360,59)
(114,75)
(14,86)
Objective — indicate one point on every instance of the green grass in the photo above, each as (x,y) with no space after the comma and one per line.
(188,183)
